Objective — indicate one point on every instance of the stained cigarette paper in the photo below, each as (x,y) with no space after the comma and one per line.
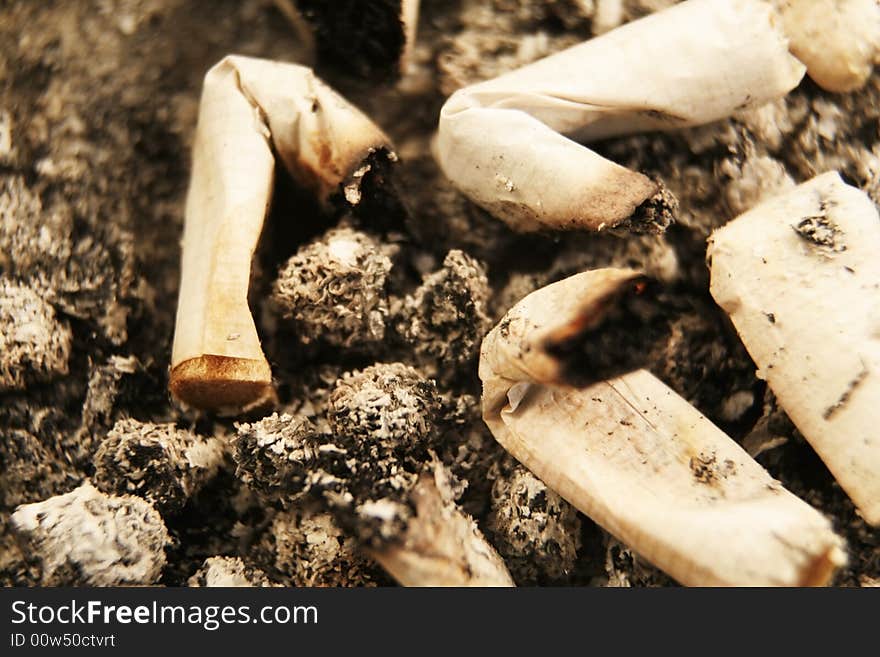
(251,110)
(640,460)
(511,144)
(799,276)
(442,545)
(838,40)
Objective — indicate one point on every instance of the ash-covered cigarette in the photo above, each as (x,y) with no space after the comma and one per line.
(88,538)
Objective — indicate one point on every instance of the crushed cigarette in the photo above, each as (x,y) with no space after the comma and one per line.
(87,538)
(509,143)
(250,110)
(839,41)
(798,276)
(637,458)
(333,290)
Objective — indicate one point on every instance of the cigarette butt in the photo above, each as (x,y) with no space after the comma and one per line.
(511,144)
(252,109)
(798,276)
(838,41)
(640,460)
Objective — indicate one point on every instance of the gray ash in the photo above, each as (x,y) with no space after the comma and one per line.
(443,322)
(274,456)
(535,531)
(333,290)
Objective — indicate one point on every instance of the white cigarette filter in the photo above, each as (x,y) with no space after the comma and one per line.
(511,144)
(252,110)
(838,40)
(637,458)
(799,276)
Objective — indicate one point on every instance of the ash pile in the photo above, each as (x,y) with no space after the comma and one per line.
(579,292)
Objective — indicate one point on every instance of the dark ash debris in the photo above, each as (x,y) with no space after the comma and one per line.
(534,530)
(822,232)
(275,455)
(158,462)
(654,215)
(358,39)
(333,290)
(443,322)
